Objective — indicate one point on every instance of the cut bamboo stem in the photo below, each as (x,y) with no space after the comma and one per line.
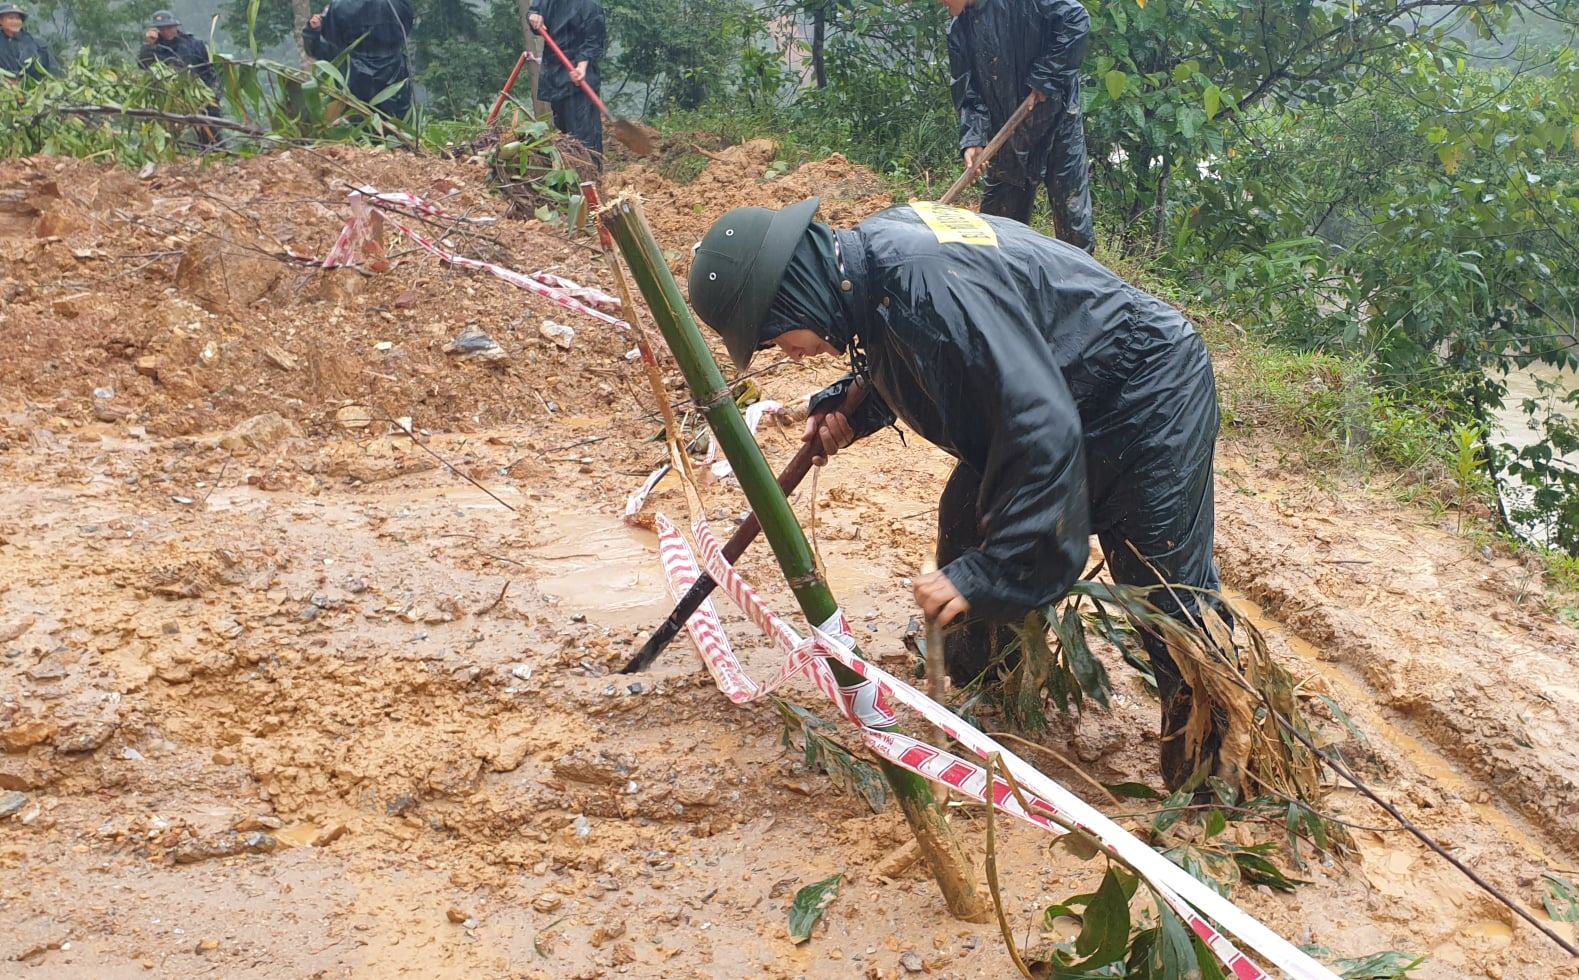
(625,222)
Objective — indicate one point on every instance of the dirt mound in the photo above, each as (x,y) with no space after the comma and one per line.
(167,301)
(745,176)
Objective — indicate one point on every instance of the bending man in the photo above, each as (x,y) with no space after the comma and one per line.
(1000,51)
(1073,402)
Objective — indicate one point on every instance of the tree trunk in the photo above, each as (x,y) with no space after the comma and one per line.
(301,13)
(534,44)
(819,30)
(1159,214)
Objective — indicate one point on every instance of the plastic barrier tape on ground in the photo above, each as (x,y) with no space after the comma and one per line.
(868,706)
(348,247)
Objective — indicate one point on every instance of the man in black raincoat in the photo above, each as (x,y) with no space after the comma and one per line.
(1073,402)
(375,32)
(577,27)
(21,52)
(165,42)
(1000,51)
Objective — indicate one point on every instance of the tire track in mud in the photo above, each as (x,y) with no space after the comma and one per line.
(1426,625)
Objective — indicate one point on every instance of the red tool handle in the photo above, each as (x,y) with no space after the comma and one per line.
(548,40)
(505,92)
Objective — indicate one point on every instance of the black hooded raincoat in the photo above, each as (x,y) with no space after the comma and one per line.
(998,51)
(375,32)
(578,27)
(1074,403)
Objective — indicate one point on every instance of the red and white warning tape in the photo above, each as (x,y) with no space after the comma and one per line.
(360,239)
(868,706)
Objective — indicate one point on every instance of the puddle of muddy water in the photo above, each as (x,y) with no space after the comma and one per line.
(601,568)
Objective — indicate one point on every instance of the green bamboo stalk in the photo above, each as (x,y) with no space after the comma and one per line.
(625,221)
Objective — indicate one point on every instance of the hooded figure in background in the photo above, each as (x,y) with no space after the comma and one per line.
(577,27)
(1073,402)
(1000,51)
(375,32)
(20,52)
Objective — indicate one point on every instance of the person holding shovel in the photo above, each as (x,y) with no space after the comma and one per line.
(375,32)
(1001,51)
(1073,402)
(577,27)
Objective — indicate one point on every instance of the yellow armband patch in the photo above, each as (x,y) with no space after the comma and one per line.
(955,225)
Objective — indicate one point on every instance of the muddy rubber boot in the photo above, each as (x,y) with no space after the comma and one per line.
(1176,763)
(972,648)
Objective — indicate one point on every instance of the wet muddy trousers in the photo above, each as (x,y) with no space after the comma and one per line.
(575,114)
(978,646)
(1067,179)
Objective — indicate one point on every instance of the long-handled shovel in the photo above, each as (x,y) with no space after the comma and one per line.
(800,465)
(627,132)
(504,93)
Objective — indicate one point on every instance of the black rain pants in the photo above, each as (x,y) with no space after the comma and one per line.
(1067,180)
(1151,480)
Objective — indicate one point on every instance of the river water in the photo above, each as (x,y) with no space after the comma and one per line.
(1509,424)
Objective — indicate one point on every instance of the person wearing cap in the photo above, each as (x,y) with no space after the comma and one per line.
(375,33)
(20,52)
(1072,402)
(165,42)
(1000,51)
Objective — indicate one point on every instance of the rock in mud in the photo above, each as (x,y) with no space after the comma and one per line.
(597,768)
(22,735)
(473,344)
(261,432)
(10,802)
(508,754)
(912,963)
(86,737)
(225,275)
(547,902)
(559,334)
(354,417)
(456,915)
(227,844)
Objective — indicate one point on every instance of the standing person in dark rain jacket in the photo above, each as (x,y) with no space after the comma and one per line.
(21,52)
(577,27)
(1073,402)
(1000,51)
(375,32)
(165,42)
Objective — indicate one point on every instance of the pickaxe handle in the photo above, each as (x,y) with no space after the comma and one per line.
(789,479)
(974,171)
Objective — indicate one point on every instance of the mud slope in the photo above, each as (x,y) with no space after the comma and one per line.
(281,694)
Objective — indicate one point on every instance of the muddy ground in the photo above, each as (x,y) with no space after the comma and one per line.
(283,695)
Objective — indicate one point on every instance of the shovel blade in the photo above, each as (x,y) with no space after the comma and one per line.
(636,137)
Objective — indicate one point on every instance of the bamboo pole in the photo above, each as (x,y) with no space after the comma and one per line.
(625,222)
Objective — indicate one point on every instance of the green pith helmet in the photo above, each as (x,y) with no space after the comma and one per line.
(164,18)
(11,8)
(737,269)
